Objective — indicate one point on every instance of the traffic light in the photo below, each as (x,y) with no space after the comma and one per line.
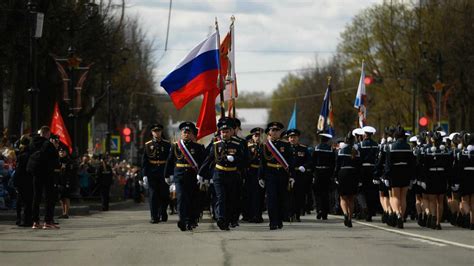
(368,80)
(126,131)
(423,122)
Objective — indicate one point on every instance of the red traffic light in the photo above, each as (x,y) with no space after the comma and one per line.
(127,139)
(126,131)
(423,122)
(368,80)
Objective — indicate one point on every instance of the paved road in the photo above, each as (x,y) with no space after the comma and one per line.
(125,237)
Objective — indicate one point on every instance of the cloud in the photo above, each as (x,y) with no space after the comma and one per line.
(270,34)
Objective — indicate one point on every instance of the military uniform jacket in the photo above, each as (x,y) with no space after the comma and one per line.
(217,159)
(245,156)
(301,157)
(154,158)
(178,166)
(255,153)
(323,160)
(437,163)
(104,174)
(465,170)
(399,160)
(347,164)
(379,170)
(269,166)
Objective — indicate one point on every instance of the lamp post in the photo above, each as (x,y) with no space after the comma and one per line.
(35,32)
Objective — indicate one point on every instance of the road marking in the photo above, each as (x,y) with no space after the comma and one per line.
(428,242)
(428,238)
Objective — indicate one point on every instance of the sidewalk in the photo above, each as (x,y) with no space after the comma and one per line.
(78,209)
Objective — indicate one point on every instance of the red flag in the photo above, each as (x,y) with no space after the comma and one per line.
(59,128)
(207,115)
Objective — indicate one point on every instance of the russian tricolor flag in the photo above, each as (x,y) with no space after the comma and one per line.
(195,74)
(361,99)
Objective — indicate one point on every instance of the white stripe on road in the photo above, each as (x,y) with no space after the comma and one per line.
(437,240)
(428,242)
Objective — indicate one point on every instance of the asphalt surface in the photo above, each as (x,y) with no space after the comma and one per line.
(125,237)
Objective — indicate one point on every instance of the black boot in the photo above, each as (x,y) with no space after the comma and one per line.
(346,220)
(428,221)
(453,218)
(466,221)
(400,222)
(433,222)
(384,217)
(420,219)
(349,223)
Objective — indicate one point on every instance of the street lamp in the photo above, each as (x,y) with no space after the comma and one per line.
(36,30)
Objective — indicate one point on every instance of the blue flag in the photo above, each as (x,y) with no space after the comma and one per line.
(325,121)
(292,123)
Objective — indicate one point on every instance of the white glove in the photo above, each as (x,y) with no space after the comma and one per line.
(168,181)
(337,182)
(359,184)
(386,182)
(302,169)
(455,187)
(376,181)
(145,182)
(230,158)
(292,182)
(261,182)
(314,181)
(171,178)
(200,179)
(211,182)
(423,185)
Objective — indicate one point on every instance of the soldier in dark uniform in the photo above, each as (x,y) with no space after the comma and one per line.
(400,169)
(368,153)
(256,194)
(226,157)
(348,176)
(183,164)
(380,180)
(302,172)
(23,184)
(437,164)
(43,161)
(323,159)
(66,178)
(156,153)
(465,182)
(242,192)
(275,172)
(105,179)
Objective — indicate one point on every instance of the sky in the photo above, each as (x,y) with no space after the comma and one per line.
(272,37)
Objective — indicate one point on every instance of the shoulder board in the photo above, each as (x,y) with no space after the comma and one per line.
(304,146)
(165,140)
(235,142)
(219,141)
(148,142)
(251,144)
(236,138)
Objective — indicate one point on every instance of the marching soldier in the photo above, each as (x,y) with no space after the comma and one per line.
(154,159)
(465,182)
(347,176)
(323,159)
(181,168)
(368,152)
(256,194)
(242,192)
(105,179)
(275,173)
(400,169)
(302,163)
(226,157)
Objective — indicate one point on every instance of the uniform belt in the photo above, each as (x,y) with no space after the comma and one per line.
(434,169)
(368,164)
(255,166)
(401,163)
(183,165)
(157,162)
(469,168)
(347,167)
(227,169)
(322,167)
(275,165)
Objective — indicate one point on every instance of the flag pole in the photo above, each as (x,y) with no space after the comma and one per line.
(232,19)
(219,78)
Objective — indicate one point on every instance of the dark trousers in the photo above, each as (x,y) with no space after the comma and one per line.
(159,199)
(255,196)
(185,193)
(298,193)
(227,188)
(321,193)
(277,194)
(43,184)
(25,204)
(308,193)
(105,196)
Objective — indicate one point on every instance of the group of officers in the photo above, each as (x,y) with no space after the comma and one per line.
(237,176)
